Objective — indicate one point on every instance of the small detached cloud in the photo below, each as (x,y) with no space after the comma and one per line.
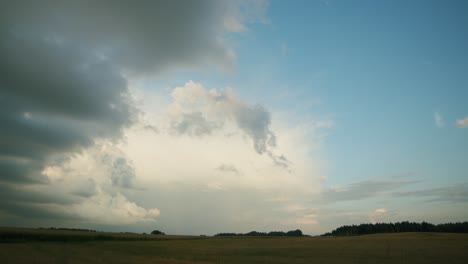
(228,169)
(462,123)
(438,119)
(377,215)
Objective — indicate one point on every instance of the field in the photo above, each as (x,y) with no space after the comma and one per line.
(64,247)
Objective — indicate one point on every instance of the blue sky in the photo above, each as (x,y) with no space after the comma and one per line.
(380,69)
(232,116)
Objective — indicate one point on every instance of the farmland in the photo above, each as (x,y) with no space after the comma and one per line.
(56,246)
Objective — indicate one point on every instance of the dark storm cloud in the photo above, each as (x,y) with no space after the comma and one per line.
(19,193)
(55,101)
(63,78)
(62,63)
(143,35)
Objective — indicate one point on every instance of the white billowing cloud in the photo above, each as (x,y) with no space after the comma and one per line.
(228,155)
(93,183)
(112,209)
(439,120)
(377,215)
(462,122)
(221,130)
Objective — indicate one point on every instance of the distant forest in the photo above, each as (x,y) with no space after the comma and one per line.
(272,233)
(364,229)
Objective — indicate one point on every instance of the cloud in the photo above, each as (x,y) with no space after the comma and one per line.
(228,169)
(454,193)
(122,173)
(140,36)
(197,111)
(439,120)
(111,209)
(377,215)
(86,189)
(218,178)
(193,124)
(64,90)
(462,123)
(362,190)
(233,24)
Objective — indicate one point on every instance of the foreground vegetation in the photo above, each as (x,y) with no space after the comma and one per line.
(378,248)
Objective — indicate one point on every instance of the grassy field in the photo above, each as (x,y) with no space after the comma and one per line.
(380,248)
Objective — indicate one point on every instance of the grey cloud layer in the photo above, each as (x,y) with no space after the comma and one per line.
(140,35)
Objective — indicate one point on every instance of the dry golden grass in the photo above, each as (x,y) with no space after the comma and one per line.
(380,248)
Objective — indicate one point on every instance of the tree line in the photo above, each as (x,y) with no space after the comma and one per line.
(69,229)
(364,229)
(272,233)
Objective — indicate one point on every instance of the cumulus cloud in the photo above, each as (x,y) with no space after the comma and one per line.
(462,123)
(74,197)
(64,87)
(198,111)
(438,119)
(217,177)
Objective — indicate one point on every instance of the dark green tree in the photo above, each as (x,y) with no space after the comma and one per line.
(157,232)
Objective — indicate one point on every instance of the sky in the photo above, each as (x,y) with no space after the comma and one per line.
(202,117)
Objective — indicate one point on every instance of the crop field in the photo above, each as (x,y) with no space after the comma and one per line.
(55,246)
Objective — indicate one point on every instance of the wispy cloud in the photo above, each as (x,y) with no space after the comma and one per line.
(439,119)
(454,193)
(462,123)
(362,190)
